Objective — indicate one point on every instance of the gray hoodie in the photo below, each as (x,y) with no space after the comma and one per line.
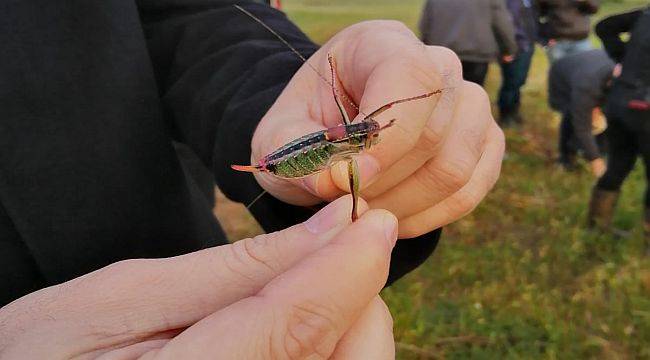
(477,30)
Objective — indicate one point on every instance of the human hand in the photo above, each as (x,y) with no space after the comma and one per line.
(507,59)
(432,167)
(598,167)
(303,292)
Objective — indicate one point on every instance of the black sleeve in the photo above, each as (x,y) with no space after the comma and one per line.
(219,72)
(588,6)
(609,31)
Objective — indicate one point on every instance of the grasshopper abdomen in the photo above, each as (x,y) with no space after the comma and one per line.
(315,152)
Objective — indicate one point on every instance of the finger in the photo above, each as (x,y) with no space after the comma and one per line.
(405,71)
(371,336)
(467,198)
(155,295)
(400,71)
(452,167)
(437,127)
(142,350)
(305,311)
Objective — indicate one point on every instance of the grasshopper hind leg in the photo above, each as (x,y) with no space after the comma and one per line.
(353,176)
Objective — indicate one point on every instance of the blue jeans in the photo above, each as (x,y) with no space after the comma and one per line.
(564,48)
(514,76)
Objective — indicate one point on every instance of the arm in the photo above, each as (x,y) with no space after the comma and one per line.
(583,101)
(219,72)
(503,28)
(610,29)
(424,24)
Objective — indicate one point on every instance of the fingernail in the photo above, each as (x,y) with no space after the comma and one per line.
(327,218)
(311,184)
(390,229)
(369,168)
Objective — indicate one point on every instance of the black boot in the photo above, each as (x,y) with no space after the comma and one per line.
(601,209)
(509,117)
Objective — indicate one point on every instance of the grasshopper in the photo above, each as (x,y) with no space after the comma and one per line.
(315,152)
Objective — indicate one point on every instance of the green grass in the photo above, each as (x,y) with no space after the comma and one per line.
(520,277)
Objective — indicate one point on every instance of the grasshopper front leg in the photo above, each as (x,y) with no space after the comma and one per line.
(353,176)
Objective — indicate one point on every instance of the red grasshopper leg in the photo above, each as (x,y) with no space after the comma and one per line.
(339,104)
(353,176)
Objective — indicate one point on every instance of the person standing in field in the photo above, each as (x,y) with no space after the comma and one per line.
(627,110)
(514,73)
(565,26)
(478,31)
(577,86)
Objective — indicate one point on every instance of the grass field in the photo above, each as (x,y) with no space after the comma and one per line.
(519,277)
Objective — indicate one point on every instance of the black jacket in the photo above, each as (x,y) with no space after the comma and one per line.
(577,83)
(566,19)
(92,94)
(634,82)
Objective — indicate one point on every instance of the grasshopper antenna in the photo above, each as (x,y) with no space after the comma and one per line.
(248,207)
(298,54)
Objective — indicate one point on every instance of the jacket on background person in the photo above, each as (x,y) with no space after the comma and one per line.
(477,30)
(577,84)
(93,93)
(566,19)
(628,113)
(525,20)
(565,26)
(634,81)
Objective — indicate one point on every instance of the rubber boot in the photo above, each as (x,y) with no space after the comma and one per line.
(601,209)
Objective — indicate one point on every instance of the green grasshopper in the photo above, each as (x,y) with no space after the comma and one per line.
(315,152)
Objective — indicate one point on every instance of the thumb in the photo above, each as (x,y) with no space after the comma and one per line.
(304,312)
(149,296)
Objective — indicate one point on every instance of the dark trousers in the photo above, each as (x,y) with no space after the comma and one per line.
(567,144)
(628,134)
(475,71)
(514,76)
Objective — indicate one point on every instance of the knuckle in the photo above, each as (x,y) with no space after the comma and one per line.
(116,272)
(500,139)
(449,57)
(371,27)
(310,330)
(382,311)
(391,25)
(448,62)
(250,256)
(450,175)
(464,202)
(475,94)
(429,140)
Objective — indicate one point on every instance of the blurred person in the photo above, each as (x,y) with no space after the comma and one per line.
(577,87)
(514,73)
(94,94)
(565,26)
(478,31)
(627,110)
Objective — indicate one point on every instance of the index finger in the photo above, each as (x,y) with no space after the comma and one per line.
(389,63)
